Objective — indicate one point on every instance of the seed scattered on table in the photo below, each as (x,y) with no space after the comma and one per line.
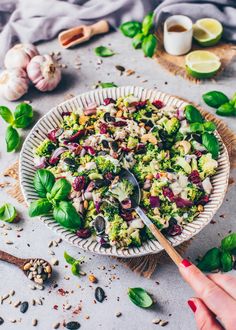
(156,321)
(55,262)
(73,325)
(24,307)
(163,323)
(1,320)
(92,278)
(68,306)
(118,314)
(99,294)
(34,322)
(56,325)
(17,303)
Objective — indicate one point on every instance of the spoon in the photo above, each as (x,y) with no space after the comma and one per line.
(37,269)
(135,199)
(82,33)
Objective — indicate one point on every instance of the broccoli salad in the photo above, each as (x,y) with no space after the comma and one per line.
(168,149)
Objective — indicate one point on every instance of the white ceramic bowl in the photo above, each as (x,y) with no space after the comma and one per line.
(53,118)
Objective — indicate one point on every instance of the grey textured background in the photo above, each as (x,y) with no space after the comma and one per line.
(172,293)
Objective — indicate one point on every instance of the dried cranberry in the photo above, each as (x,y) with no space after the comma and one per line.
(109,100)
(77,135)
(125,149)
(109,176)
(198,153)
(79,183)
(182,203)
(154,201)
(194,177)
(53,160)
(127,216)
(203,200)
(52,135)
(103,128)
(97,206)
(174,230)
(139,105)
(126,204)
(158,104)
(66,113)
(83,233)
(157,176)
(167,192)
(120,123)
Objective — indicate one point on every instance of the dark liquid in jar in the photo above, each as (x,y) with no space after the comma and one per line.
(177,28)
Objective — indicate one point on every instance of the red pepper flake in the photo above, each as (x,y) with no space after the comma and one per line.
(62,292)
(77,310)
(55,307)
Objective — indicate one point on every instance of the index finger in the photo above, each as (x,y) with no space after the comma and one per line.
(217,300)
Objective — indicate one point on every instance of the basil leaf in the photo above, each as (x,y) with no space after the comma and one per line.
(43,182)
(23,115)
(196,127)
(149,45)
(6,114)
(229,242)
(209,126)
(66,215)
(40,207)
(70,260)
(12,138)
(130,29)
(147,23)
(192,114)
(140,297)
(211,143)
(210,261)
(233,100)
(137,40)
(107,84)
(60,190)
(215,99)
(226,110)
(75,268)
(7,213)
(226,261)
(103,51)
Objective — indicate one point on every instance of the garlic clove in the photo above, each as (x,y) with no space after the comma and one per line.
(13,84)
(44,72)
(19,56)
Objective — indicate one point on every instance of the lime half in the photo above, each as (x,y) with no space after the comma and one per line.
(202,64)
(207,31)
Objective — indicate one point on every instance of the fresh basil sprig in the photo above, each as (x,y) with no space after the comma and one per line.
(204,128)
(220,258)
(141,34)
(75,263)
(54,197)
(7,212)
(103,51)
(140,297)
(21,118)
(221,102)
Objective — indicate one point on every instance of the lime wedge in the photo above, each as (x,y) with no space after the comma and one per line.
(202,64)
(207,31)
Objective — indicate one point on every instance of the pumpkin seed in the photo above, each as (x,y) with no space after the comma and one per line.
(99,294)
(1,320)
(24,307)
(99,224)
(73,325)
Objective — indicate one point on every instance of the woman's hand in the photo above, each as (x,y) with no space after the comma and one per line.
(216,297)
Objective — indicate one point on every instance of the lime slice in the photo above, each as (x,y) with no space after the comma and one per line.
(207,31)
(202,64)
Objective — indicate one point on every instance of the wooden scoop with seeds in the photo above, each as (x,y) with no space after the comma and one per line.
(37,270)
(82,33)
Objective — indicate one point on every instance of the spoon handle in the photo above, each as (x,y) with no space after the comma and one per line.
(99,27)
(11,259)
(170,250)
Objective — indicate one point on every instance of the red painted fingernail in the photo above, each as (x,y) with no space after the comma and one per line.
(186,263)
(192,305)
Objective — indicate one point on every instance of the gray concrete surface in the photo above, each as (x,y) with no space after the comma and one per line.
(172,293)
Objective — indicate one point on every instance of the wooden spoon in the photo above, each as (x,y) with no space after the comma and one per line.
(82,33)
(37,269)
(135,199)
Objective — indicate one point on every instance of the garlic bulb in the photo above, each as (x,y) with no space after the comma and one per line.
(19,56)
(44,72)
(13,84)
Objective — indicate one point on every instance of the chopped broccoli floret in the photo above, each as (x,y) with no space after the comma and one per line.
(140,171)
(70,121)
(180,161)
(193,192)
(122,190)
(207,165)
(45,148)
(106,164)
(132,142)
(172,125)
(142,114)
(117,231)
(110,210)
(135,237)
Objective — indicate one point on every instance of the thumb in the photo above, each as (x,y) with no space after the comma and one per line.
(205,319)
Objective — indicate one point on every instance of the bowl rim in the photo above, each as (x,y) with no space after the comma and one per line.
(115,251)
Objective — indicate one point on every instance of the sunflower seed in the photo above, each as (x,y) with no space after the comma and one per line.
(56,325)
(156,321)
(163,323)
(34,322)
(118,314)
(17,303)
(12,292)
(68,306)
(1,320)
